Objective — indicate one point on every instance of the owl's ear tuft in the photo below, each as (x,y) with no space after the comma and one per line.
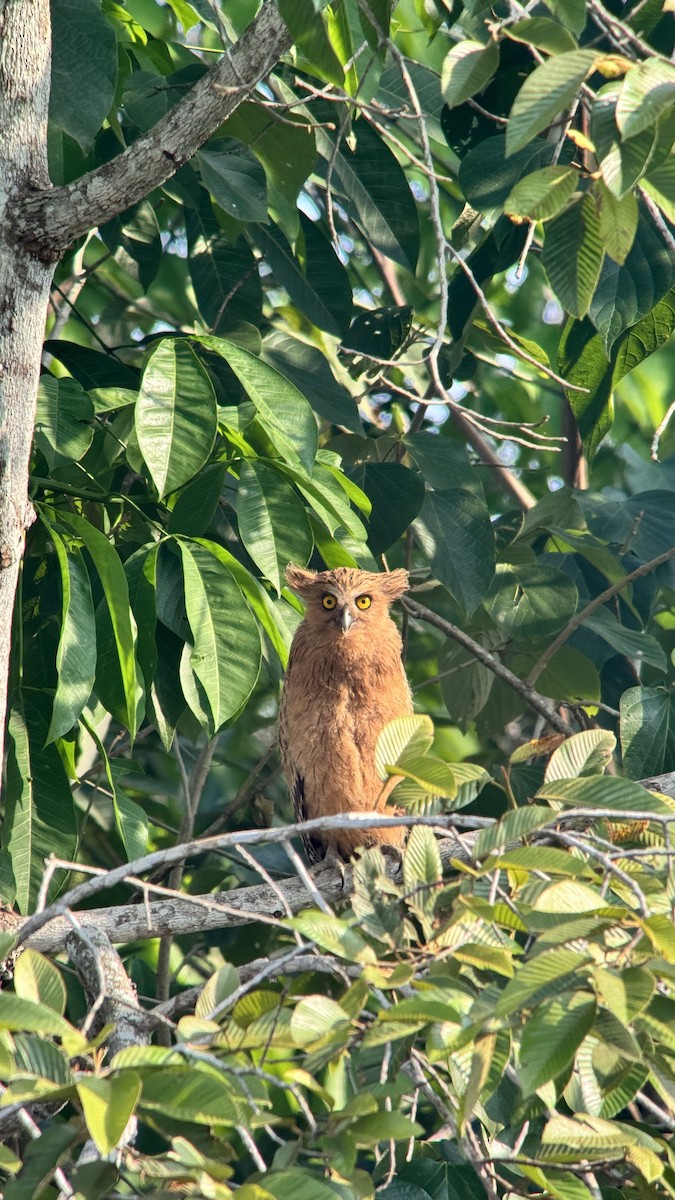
(393,584)
(300,580)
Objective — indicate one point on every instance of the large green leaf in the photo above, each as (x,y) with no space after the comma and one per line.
(530,600)
(625,294)
(618,221)
(396,494)
(454,532)
(76,653)
(467,69)
(308,369)
(585,753)
(304,22)
(647,731)
(487,176)
(39,812)
(551,1037)
(63,421)
(282,410)
(225,655)
(224,276)
(545,93)
(547,974)
(402,737)
(444,463)
(272,521)
(192,1095)
(648,91)
(84,68)
(541,194)
(573,254)
(465,682)
(235,179)
(116,592)
(176,417)
(604,792)
(582,361)
(320,287)
(107,1105)
(371,183)
(37,978)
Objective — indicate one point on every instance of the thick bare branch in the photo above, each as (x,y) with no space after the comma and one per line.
(49,221)
(110,993)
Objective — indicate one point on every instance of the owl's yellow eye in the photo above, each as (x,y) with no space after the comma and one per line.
(329,601)
(363,602)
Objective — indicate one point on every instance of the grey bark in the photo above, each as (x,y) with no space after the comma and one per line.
(38,222)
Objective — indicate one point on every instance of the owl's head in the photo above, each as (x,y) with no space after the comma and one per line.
(346,600)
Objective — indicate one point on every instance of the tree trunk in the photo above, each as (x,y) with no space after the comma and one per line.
(25,45)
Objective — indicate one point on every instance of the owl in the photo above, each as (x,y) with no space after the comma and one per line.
(345,680)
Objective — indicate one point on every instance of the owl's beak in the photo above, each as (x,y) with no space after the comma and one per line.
(345,620)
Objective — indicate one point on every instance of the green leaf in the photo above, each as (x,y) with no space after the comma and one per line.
(81,98)
(571,13)
(306,26)
(272,521)
(430,775)
(376,193)
(582,360)
(625,294)
(107,1105)
(225,656)
(235,179)
(455,534)
(550,972)
(17,1013)
(192,1095)
(39,814)
(175,416)
(308,369)
(400,738)
(315,1017)
(585,753)
(530,600)
(320,287)
(605,792)
(130,819)
(618,221)
(224,276)
(549,90)
(660,184)
(543,33)
(487,176)
(633,643)
(63,421)
(295,1184)
(333,934)
(442,461)
(282,410)
(647,731)
(573,254)
(551,1036)
(76,652)
(541,194)
(37,979)
(383,1127)
(467,69)
(648,91)
(116,592)
(466,683)
(396,494)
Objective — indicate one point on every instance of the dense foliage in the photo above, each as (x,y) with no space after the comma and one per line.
(361,327)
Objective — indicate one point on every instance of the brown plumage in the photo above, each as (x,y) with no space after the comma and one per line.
(345,680)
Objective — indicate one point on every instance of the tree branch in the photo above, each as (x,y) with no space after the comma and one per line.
(49,221)
(533,698)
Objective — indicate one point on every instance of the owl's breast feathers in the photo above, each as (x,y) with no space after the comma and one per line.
(338,694)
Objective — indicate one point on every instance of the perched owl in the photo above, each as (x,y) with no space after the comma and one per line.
(345,680)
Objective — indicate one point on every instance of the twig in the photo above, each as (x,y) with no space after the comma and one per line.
(660,430)
(597,602)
